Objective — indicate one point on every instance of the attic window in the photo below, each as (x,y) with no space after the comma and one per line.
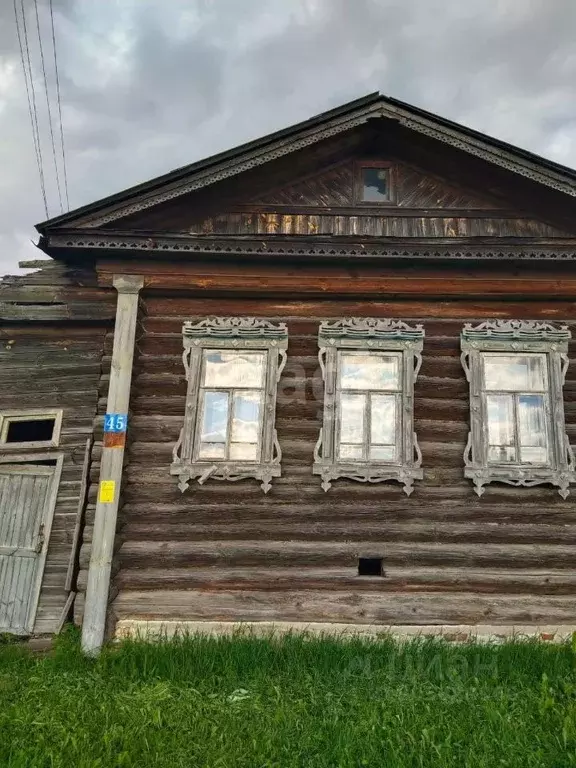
(30,429)
(373,183)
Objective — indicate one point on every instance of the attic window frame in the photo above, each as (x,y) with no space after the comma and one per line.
(359,166)
(36,414)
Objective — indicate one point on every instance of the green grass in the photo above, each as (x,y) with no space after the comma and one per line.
(245,702)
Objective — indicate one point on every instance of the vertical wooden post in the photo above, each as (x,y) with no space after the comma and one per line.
(95,609)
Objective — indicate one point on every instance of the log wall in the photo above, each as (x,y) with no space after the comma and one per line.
(226,551)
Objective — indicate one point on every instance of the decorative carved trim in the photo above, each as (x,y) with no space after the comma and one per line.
(307,137)
(226,471)
(280,246)
(366,475)
(515,330)
(230,333)
(517,336)
(368,328)
(369,334)
(234,327)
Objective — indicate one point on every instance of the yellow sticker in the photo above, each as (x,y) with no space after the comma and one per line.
(107,491)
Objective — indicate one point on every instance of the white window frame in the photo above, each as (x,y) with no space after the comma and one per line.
(35,414)
(230,333)
(516,337)
(369,335)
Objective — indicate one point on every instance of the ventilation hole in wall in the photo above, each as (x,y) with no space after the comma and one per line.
(30,431)
(370,566)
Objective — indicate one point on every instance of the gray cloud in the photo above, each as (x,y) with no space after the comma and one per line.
(148,86)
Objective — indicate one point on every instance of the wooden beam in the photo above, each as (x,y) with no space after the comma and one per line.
(376,282)
(94,624)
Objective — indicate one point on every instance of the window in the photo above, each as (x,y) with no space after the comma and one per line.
(231,395)
(30,429)
(233,365)
(373,183)
(369,368)
(367,404)
(516,371)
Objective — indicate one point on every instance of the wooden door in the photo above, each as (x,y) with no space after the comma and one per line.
(27,501)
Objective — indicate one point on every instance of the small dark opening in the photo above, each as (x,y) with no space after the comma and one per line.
(370,566)
(32,431)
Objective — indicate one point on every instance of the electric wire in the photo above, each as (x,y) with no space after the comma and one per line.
(31,95)
(64,170)
(51,127)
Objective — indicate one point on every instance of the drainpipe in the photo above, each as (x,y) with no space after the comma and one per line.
(115,425)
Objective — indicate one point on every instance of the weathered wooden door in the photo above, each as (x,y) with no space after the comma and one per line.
(27,500)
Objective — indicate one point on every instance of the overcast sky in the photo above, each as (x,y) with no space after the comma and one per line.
(150,85)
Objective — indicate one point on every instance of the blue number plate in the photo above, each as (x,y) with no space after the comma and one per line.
(115,422)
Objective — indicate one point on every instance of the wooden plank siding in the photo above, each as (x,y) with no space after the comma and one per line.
(282,221)
(51,358)
(225,551)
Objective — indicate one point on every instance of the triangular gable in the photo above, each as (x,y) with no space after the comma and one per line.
(329,124)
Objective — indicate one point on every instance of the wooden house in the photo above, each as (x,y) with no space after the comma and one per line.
(323,379)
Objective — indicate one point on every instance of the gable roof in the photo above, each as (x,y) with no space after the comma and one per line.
(234,161)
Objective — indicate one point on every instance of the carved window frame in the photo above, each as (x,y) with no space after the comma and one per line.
(517,336)
(369,335)
(230,333)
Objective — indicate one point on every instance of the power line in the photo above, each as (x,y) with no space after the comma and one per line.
(48,107)
(17,20)
(65,174)
(34,107)
(31,95)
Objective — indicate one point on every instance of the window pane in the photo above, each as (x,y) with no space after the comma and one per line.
(233,369)
(212,451)
(350,451)
(515,372)
(369,371)
(215,417)
(383,452)
(246,417)
(352,418)
(244,451)
(383,427)
(500,411)
(375,185)
(532,429)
